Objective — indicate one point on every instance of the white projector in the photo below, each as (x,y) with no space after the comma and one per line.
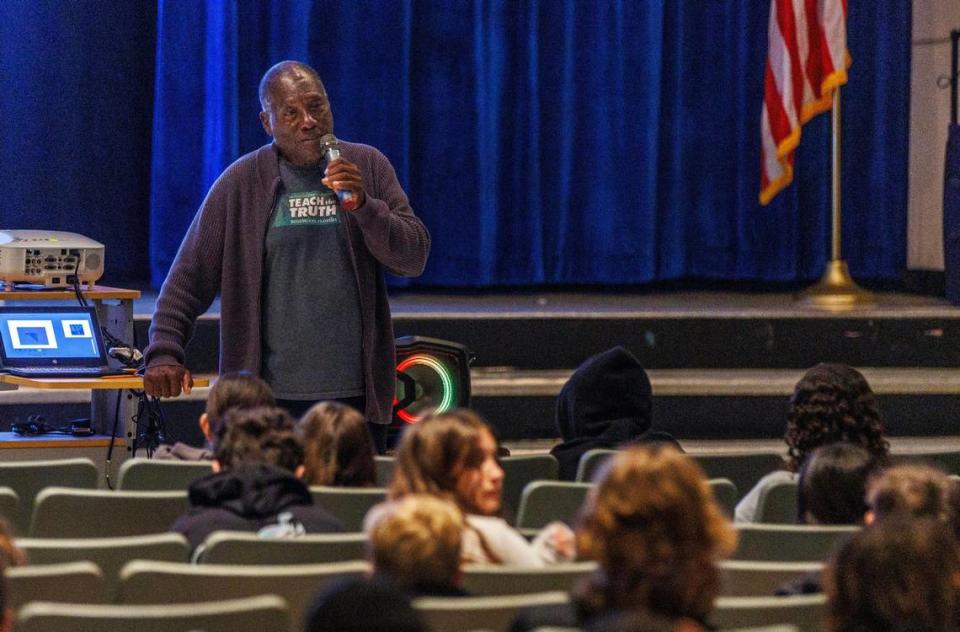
(49,258)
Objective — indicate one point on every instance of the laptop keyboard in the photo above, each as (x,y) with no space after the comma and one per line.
(62,371)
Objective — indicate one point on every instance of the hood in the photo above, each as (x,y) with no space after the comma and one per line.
(251,491)
(607,396)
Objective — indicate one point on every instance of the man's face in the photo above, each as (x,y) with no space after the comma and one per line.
(297,116)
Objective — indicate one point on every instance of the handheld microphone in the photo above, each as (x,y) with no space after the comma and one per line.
(331,151)
(128,356)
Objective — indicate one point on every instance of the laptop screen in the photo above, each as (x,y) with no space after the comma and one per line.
(50,336)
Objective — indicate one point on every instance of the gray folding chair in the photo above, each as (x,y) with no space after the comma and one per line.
(947,460)
(75,581)
(518,471)
(545,501)
(725,493)
(96,513)
(109,554)
(152,475)
(230,547)
(349,504)
(806,612)
(28,478)
(252,614)
(590,462)
(496,614)
(145,582)
(748,578)
(789,543)
(745,470)
(384,466)
(778,503)
(490,579)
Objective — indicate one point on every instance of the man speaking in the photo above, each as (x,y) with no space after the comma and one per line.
(295,237)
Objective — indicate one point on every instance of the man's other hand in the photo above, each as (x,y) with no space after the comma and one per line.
(167,381)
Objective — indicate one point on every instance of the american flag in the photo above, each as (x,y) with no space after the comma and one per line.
(806,60)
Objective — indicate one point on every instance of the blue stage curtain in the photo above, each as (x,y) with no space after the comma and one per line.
(76,102)
(553,142)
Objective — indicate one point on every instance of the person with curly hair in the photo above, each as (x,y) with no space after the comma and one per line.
(830,403)
(338,451)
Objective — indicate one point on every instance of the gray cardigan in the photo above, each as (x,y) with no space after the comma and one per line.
(223,252)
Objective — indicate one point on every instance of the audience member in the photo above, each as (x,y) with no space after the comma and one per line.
(833,483)
(240,389)
(606,402)
(899,575)
(656,533)
(453,456)
(255,485)
(830,403)
(10,554)
(361,605)
(337,447)
(415,542)
(913,490)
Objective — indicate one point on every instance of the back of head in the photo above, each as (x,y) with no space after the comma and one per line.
(337,446)
(416,542)
(656,532)
(264,435)
(913,491)
(833,482)
(434,450)
(361,605)
(830,403)
(899,575)
(608,389)
(241,389)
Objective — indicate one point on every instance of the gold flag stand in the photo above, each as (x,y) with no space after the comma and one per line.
(836,290)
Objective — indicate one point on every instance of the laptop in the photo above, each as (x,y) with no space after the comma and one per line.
(50,341)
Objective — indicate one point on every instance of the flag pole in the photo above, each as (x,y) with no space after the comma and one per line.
(836,289)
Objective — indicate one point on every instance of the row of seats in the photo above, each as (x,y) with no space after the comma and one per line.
(152,582)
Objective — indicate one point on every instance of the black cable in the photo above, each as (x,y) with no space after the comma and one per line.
(113,439)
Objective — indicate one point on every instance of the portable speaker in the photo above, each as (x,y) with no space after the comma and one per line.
(432,375)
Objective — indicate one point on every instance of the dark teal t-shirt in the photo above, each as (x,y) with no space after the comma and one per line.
(311,307)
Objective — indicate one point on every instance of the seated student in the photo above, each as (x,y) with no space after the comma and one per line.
(362,605)
(415,542)
(913,490)
(899,575)
(337,446)
(830,403)
(241,389)
(255,487)
(453,456)
(606,403)
(833,483)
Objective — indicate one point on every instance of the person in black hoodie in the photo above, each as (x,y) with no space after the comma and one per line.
(255,487)
(606,403)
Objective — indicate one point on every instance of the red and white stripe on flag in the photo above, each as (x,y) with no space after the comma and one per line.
(806,60)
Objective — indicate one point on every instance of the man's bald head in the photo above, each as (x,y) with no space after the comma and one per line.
(293,69)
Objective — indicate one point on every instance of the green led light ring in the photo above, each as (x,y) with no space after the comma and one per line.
(446,380)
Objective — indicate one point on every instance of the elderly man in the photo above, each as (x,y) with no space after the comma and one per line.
(303,299)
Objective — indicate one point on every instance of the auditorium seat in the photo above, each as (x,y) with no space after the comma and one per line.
(744,578)
(725,493)
(348,504)
(384,466)
(160,475)
(948,460)
(230,547)
(491,579)
(788,543)
(806,612)
(520,470)
(590,462)
(778,503)
(543,502)
(495,614)
(28,478)
(93,513)
(80,582)
(109,554)
(146,582)
(252,614)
